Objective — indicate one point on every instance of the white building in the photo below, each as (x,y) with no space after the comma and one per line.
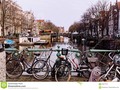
(114,20)
(15,19)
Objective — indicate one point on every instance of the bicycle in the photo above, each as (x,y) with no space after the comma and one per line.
(63,71)
(83,67)
(63,67)
(113,71)
(41,66)
(15,67)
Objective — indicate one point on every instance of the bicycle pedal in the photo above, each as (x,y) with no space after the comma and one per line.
(29,71)
(79,75)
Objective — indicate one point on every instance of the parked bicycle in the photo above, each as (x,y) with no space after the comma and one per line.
(62,67)
(113,70)
(83,66)
(16,66)
(42,65)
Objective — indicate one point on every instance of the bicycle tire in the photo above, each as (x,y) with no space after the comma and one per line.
(104,78)
(86,74)
(14,68)
(60,72)
(40,70)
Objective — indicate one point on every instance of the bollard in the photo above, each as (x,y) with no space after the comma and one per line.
(83,45)
(2,64)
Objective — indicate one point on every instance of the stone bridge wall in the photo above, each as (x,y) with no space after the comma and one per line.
(2,66)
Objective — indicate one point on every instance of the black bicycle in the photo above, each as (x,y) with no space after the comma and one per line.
(41,66)
(16,66)
(64,70)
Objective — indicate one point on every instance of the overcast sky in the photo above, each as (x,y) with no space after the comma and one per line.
(60,12)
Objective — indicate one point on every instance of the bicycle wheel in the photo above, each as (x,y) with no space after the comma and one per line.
(63,73)
(40,70)
(86,74)
(14,68)
(105,78)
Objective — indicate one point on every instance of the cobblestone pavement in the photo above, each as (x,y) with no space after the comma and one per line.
(48,79)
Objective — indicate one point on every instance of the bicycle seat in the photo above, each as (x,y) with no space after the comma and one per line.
(37,54)
(8,53)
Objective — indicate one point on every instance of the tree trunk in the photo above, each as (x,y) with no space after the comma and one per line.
(3,26)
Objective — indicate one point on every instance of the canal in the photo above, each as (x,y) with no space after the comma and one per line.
(64,44)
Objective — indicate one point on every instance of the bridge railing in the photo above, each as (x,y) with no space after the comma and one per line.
(71,50)
(42,50)
(102,50)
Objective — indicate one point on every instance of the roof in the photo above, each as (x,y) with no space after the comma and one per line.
(40,20)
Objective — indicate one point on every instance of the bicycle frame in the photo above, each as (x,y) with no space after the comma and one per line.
(47,60)
(109,70)
(72,61)
(117,71)
(80,66)
(27,65)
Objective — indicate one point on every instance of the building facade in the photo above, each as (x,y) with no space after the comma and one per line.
(13,19)
(114,20)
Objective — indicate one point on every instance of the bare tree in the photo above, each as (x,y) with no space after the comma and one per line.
(48,25)
(4,9)
(14,19)
(28,20)
(97,18)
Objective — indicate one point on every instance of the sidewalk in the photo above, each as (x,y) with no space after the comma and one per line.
(29,78)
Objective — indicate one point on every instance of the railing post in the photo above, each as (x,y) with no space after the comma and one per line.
(83,45)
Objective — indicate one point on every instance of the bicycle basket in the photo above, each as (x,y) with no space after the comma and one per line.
(116,60)
(64,51)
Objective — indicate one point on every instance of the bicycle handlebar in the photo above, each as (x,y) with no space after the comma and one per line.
(110,56)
